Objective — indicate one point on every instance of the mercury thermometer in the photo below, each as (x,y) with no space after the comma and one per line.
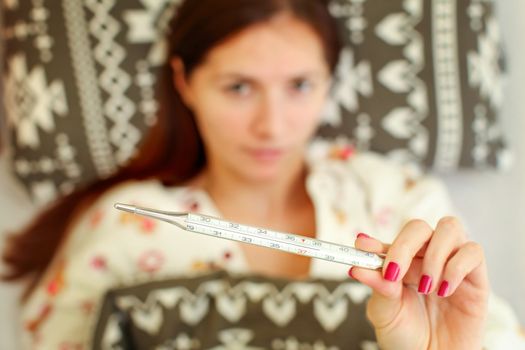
(287,242)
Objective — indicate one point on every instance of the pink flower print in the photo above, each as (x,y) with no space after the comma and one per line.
(70,346)
(33,325)
(56,284)
(151,261)
(194,206)
(384,216)
(54,287)
(148,225)
(227,255)
(99,263)
(343,152)
(87,307)
(347,152)
(96,218)
(191,205)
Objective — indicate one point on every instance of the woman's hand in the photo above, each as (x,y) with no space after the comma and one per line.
(433,290)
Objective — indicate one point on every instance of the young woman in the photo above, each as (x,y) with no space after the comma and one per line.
(242,97)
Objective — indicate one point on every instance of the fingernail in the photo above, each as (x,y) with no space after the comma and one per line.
(362,235)
(443,289)
(350,272)
(392,271)
(424,284)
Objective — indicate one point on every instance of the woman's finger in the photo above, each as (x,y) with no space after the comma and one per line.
(374,278)
(468,259)
(411,240)
(386,301)
(370,244)
(448,236)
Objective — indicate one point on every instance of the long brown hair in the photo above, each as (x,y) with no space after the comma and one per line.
(173,151)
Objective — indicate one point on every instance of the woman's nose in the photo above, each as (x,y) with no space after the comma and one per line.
(270,119)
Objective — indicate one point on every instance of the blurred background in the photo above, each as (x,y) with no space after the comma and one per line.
(491,203)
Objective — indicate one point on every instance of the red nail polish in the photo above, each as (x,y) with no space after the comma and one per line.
(392,271)
(362,235)
(350,272)
(424,284)
(443,289)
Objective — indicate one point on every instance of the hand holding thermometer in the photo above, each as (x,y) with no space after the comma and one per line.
(287,242)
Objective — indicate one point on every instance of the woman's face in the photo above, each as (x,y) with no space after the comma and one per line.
(257,97)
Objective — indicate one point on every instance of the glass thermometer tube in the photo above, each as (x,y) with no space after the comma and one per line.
(287,242)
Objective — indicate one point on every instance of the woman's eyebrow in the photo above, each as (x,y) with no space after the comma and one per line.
(308,73)
(250,77)
(233,75)
(229,77)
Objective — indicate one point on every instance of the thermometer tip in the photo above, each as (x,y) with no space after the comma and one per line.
(125,207)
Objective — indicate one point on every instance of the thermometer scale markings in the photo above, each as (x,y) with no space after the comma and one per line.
(338,253)
(283,241)
(242,234)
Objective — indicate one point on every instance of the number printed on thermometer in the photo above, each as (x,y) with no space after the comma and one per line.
(287,242)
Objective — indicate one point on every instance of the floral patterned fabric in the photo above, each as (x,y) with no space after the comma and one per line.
(108,250)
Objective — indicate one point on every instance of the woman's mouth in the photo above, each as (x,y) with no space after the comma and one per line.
(266,155)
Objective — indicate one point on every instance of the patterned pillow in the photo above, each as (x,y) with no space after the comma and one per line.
(419,81)
(79,87)
(221,311)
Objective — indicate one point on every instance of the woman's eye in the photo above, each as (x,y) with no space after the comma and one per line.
(241,89)
(302,85)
